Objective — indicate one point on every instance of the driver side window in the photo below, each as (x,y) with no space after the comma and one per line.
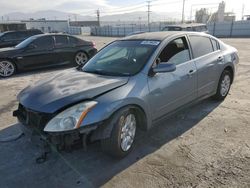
(175,52)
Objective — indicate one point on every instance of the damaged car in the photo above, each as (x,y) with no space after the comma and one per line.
(130,84)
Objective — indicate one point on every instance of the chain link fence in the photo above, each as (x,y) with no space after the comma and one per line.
(218,29)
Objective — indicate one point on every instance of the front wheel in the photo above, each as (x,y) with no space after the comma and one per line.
(224,85)
(81,58)
(122,138)
(7,68)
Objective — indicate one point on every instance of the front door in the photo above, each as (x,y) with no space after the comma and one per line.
(40,53)
(173,89)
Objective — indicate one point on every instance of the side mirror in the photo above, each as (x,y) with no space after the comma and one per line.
(164,67)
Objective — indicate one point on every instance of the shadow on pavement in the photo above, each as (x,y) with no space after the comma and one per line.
(91,168)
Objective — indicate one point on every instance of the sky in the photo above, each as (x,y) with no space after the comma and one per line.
(108,7)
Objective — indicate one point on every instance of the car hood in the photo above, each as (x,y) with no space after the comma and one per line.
(69,87)
(5,52)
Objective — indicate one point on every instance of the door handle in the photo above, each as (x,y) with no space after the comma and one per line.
(191,72)
(220,58)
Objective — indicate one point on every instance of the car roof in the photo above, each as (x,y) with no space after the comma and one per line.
(187,25)
(160,35)
(52,34)
(28,30)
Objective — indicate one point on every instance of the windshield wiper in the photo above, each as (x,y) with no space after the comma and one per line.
(106,73)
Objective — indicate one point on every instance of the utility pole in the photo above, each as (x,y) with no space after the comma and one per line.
(183,9)
(98,16)
(140,22)
(148,14)
(242,13)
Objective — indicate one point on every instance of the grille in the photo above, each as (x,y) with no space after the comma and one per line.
(33,119)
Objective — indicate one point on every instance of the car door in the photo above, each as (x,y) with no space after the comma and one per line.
(63,49)
(39,53)
(169,91)
(206,61)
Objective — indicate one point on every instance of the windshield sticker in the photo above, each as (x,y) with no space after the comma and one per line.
(150,42)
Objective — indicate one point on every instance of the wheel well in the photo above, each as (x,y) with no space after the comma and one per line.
(230,69)
(103,132)
(141,116)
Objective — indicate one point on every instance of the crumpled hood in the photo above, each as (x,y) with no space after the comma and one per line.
(68,87)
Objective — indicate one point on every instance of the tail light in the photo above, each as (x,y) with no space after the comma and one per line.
(93,44)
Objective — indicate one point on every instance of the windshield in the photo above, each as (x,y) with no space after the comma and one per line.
(26,42)
(1,34)
(121,58)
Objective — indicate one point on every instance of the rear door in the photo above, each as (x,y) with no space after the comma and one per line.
(63,49)
(40,53)
(206,60)
(171,90)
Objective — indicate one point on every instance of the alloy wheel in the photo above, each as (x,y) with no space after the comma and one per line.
(81,58)
(225,85)
(6,68)
(128,132)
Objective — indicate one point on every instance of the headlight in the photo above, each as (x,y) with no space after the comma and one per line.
(70,118)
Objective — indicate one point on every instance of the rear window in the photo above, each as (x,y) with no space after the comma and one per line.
(200,45)
(74,41)
(61,41)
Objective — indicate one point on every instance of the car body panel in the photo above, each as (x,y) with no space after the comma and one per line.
(66,88)
(27,59)
(169,91)
(157,95)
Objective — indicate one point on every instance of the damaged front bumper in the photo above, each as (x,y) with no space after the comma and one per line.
(32,123)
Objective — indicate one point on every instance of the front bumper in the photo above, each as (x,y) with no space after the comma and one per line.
(32,123)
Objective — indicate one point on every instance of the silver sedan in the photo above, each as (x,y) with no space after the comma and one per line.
(130,84)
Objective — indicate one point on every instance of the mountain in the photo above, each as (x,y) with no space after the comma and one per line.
(59,15)
(47,14)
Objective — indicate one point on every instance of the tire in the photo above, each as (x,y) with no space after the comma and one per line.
(7,68)
(224,85)
(81,58)
(115,145)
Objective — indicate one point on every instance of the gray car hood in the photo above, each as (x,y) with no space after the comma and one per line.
(69,87)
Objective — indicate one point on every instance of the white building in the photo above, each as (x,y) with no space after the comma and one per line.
(48,26)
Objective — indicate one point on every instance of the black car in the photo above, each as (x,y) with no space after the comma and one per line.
(12,38)
(45,50)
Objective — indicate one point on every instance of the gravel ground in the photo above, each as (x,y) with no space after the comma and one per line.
(207,145)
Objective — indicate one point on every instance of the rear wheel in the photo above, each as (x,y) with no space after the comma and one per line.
(224,85)
(81,58)
(122,138)
(7,68)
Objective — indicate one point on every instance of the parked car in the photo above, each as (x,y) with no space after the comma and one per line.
(12,38)
(45,50)
(130,84)
(187,27)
